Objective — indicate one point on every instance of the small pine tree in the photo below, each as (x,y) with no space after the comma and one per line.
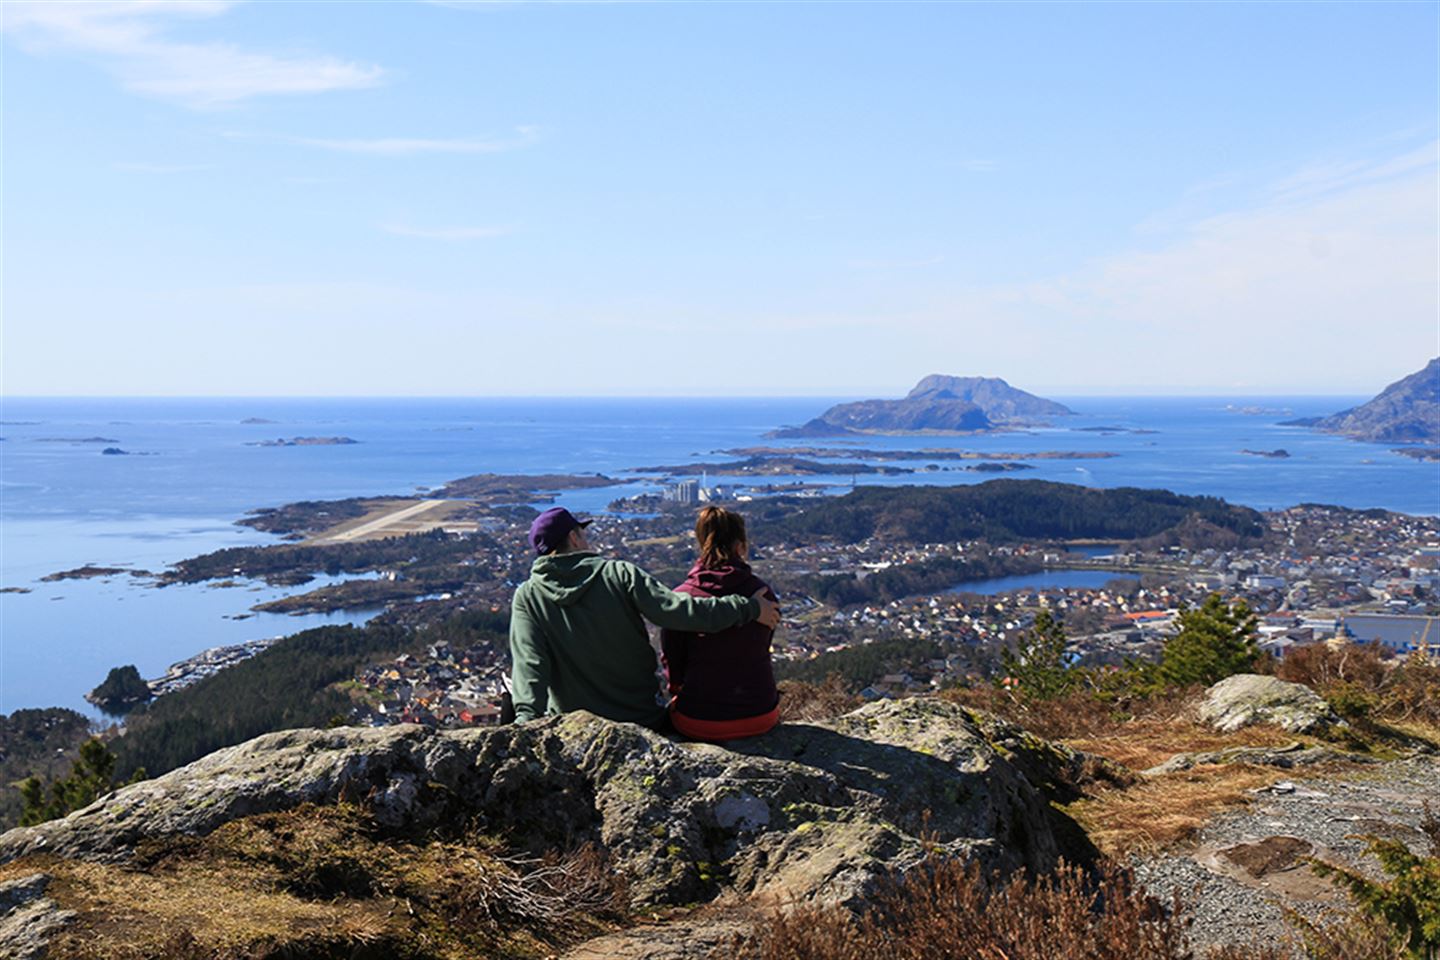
(91,776)
(1216,640)
(1407,902)
(1037,665)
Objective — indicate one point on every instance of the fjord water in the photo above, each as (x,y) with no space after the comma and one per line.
(192,471)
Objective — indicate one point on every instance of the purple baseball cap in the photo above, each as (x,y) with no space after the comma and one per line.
(551,528)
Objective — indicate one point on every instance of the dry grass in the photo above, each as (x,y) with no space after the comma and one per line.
(943,910)
(1144,742)
(1138,734)
(802,702)
(321,882)
(1161,811)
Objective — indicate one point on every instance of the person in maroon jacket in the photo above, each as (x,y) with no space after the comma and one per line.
(721,684)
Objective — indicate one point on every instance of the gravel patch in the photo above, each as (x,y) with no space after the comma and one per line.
(1236,897)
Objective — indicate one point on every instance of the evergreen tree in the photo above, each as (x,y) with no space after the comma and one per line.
(1407,901)
(92,776)
(1216,640)
(1037,666)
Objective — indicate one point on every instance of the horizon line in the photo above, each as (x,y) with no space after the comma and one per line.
(1199,394)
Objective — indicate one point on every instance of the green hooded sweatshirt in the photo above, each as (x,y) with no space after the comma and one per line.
(578,640)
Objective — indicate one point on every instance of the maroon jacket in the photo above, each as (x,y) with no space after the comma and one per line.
(725,675)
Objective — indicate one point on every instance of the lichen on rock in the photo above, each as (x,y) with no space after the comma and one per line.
(810,812)
(1250,698)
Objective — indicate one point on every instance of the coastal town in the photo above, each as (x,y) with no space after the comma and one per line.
(1323,574)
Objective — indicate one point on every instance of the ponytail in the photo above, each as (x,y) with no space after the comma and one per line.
(717,531)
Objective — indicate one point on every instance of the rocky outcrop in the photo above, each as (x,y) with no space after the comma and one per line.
(1250,698)
(810,812)
(29,919)
(1285,757)
(937,403)
(1407,411)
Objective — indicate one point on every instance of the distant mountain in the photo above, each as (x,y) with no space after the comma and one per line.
(1407,411)
(938,403)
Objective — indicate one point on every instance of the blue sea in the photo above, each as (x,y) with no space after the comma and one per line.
(191,472)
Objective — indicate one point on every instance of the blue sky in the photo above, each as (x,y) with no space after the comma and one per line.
(685,199)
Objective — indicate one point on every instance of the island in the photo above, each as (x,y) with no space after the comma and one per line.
(110,440)
(1427,454)
(257,420)
(937,404)
(991,466)
(772,465)
(930,453)
(122,691)
(304,442)
(1270,454)
(1407,411)
(87,572)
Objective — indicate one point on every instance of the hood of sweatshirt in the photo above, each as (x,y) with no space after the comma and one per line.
(564,578)
(723,580)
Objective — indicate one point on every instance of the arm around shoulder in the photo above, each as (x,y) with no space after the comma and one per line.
(678,611)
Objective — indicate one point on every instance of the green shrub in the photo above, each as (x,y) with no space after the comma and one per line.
(1216,640)
(1406,902)
(1037,667)
(92,776)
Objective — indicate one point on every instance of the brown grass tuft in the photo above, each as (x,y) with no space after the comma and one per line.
(802,702)
(1165,810)
(323,882)
(1138,734)
(944,909)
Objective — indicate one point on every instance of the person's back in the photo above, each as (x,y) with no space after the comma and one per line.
(577,628)
(722,683)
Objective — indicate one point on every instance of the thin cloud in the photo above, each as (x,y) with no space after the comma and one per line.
(415,146)
(129,40)
(1342,175)
(1261,293)
(445,233)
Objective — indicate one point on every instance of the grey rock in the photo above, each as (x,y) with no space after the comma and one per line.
(1287,757)
(1250,698)
(810,812)
(29,919)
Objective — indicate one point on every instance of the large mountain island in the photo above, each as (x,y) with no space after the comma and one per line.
(938,403)
(1407,411)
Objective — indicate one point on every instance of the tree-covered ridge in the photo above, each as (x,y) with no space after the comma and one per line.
(288,685)
(1008,510)
(36,743)
(434,548)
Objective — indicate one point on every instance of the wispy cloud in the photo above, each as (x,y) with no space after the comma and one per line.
(413,146)
(129,39)
(1335,175)
(1333,257)
(445,233)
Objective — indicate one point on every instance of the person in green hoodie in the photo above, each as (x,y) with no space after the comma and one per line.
(577,627)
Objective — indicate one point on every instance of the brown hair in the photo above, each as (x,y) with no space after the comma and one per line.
(717,530)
